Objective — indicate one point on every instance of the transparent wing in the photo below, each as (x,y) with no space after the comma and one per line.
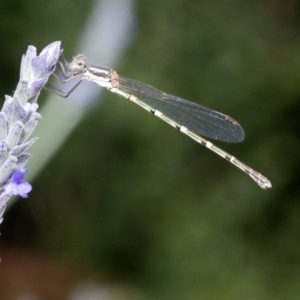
(198,119)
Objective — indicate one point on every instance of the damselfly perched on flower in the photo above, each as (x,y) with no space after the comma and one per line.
(191,119)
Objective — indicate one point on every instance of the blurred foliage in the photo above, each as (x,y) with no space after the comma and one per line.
(129,198)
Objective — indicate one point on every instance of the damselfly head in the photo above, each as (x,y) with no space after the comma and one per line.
(78,64)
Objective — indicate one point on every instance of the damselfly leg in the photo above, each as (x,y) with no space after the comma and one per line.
(65,75)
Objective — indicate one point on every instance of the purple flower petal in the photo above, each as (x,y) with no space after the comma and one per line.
(17,186)
(39,66)
(26,59)
(51,54)
(44,64)
(36,86)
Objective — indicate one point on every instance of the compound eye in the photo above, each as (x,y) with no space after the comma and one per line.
(80,63)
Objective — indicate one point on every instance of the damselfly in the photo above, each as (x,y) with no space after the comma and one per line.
(191,119)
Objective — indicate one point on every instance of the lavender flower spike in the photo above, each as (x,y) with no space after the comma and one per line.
(18,118)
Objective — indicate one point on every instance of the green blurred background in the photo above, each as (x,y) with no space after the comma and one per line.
(131,205)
